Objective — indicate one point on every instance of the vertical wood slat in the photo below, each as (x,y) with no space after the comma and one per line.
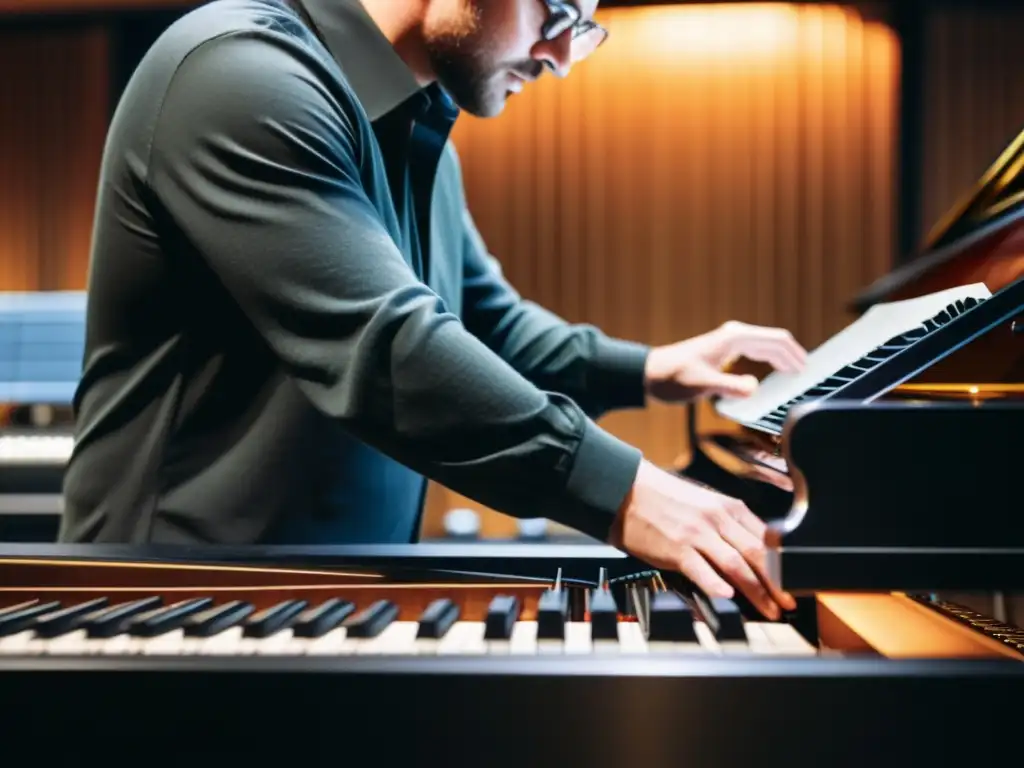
(710,163)
(974,104)
(51,138)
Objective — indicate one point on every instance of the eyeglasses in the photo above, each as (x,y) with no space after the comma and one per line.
(587,35)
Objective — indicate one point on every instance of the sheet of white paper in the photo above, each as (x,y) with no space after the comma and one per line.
(876,326)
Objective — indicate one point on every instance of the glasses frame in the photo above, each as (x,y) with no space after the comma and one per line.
(562,13)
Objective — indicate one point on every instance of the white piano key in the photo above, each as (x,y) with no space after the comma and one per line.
(578,637)
(631,638)
(222,644)
(473,637)
(787,641)
(115,645)
(280,643)
(706,638)
(524,638)
(15,645)
(334,643)
(459,635)
(464,637)
(167,644)
(71,644)
(757,640)
(399,637)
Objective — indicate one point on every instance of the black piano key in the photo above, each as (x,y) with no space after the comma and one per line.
(17,607)
(371,621)
(64,621)
(730,619)
(273,619)
(112,621)
(161,620)
(318,621)
(18,619)
(437,619)
(604,615)
(552,613)
(502,615)
(215,620)
(671,618)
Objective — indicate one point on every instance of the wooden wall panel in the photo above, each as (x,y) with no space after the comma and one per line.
(974,104)
(710,163)
(51,138)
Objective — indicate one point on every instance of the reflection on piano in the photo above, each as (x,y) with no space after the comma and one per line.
(478,655)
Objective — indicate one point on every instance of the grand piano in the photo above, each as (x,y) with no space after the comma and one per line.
(887,486)
(979,358)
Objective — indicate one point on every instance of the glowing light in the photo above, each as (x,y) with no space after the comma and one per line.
(712,30)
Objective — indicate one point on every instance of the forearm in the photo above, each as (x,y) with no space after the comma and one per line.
(598,372)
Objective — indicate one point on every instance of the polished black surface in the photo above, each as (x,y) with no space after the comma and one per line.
(578,562)
(536,711)
(903,496)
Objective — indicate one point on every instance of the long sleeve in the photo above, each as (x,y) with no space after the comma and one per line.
(596,371)
(264,171)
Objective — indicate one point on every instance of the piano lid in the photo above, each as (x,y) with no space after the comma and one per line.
(976,226)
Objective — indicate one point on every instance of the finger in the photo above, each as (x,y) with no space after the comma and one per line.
(771,345)
(780,357)
(751,547)
(734,567)
(693,565)
(741,513)
(729,384)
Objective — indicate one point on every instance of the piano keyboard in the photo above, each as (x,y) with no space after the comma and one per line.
(334,627)
(774,420)
(35,449)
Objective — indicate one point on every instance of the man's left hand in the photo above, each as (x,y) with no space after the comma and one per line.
(694,367)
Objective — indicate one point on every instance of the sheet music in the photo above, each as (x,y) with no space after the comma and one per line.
(876,326)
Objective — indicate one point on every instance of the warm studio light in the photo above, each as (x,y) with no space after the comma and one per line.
(711,30)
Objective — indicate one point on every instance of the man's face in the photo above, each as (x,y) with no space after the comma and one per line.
(483,50)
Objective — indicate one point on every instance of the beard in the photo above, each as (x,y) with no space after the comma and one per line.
(462,59)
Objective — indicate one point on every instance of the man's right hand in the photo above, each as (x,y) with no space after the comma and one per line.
(677,525)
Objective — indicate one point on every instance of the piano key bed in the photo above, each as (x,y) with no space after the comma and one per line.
(357,620)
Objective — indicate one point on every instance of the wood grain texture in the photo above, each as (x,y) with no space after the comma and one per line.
(974,104)
(52,129)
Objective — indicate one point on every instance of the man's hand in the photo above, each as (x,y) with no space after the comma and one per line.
(712,539)
(693,368)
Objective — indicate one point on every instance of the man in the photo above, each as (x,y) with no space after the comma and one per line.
(292,321)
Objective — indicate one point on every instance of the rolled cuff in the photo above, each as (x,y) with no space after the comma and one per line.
(604,469)
(617,373)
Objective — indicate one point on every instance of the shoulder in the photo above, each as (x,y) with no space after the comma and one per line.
(250,60)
